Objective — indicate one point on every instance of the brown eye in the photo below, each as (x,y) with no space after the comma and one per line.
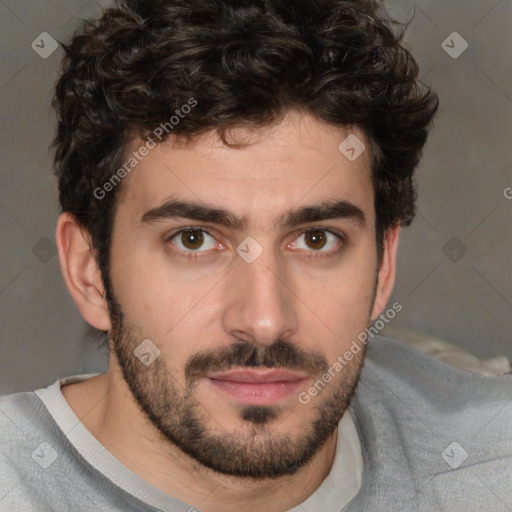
(192,239)
(318,242)
(315,239)
(193,242)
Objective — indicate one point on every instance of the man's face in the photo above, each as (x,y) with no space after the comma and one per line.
(249,306)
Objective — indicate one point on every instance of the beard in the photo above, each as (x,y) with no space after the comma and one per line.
(254,450)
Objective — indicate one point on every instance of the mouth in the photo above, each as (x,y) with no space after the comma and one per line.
(257,387)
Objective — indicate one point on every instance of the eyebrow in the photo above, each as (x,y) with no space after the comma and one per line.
(325,210)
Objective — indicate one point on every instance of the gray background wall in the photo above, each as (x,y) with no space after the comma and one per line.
(454,278)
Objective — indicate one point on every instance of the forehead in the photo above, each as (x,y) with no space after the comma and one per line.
(297,161)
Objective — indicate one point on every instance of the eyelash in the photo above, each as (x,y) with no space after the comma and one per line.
(190,255)
(194,255)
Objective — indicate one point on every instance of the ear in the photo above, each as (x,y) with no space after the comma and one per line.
(387,271)
(81,272)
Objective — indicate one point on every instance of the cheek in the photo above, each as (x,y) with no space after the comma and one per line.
(338,310)
(344,308)
(144,280)
(162,302)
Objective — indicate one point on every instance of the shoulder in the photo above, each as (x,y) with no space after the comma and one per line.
(406,369)
(40,469)
(21,416)
(23,450)
(24,425)
(432,432)
(405,380)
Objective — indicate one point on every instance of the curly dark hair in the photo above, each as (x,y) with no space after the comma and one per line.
(244,63)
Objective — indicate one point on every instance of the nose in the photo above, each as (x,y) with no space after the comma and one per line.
(260,305)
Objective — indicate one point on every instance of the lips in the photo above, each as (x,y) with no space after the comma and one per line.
(258,376)
(257,387)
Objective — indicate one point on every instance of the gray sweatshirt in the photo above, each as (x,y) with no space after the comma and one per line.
(429,437)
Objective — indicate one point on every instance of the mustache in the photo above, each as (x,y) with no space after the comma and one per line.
(282,354)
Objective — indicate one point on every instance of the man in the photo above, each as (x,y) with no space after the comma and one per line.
(233,177)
